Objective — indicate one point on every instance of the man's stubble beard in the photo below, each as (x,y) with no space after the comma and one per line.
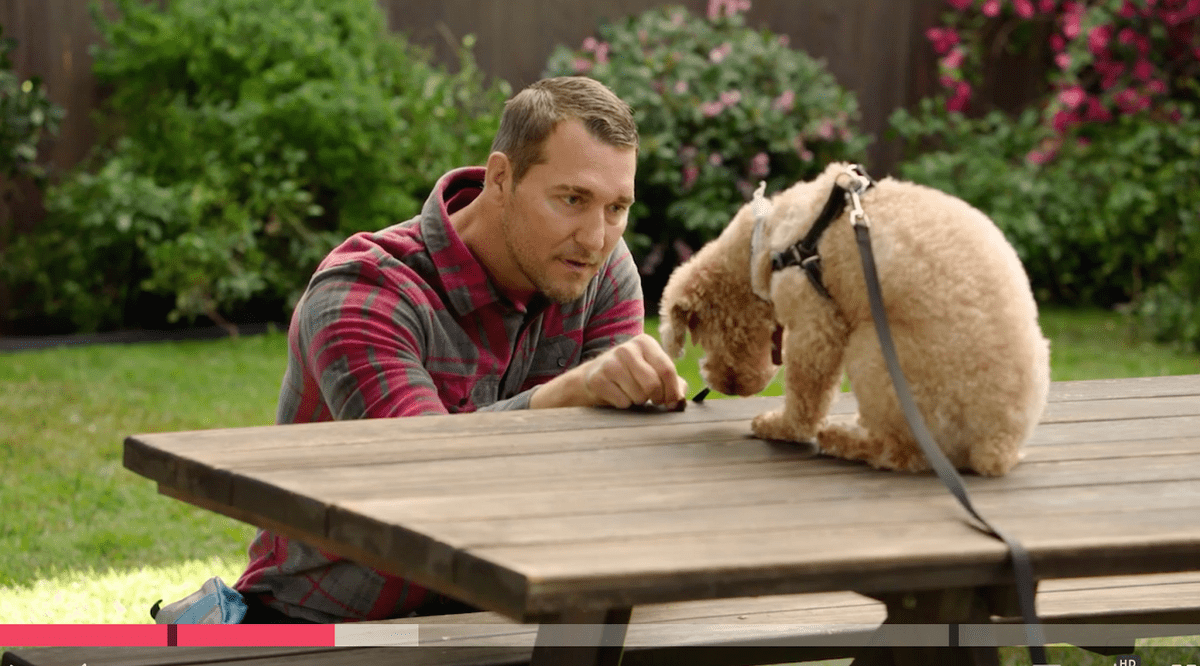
(529,265)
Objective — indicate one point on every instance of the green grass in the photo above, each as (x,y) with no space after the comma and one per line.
(85,540)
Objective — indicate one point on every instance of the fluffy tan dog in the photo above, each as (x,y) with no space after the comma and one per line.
(958,302)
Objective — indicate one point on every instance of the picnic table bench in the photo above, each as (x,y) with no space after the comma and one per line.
(601,525)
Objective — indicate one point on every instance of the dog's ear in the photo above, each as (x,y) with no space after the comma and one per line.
(674,324)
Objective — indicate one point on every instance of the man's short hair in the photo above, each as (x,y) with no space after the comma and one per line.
(532,114)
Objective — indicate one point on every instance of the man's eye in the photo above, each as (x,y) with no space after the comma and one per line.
(572,200)
(619,208)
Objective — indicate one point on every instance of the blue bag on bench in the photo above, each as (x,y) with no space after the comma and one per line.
(214,603)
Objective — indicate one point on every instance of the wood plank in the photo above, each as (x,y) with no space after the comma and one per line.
(1130,387)
(370,438)
(720,458)
(1088,503)
(928,555)
(709,488)
(247,452)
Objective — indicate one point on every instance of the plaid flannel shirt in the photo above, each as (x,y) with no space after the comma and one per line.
(402,322)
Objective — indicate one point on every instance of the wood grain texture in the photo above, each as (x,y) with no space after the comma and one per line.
(530,513)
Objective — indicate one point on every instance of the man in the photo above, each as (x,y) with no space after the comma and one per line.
(512,289)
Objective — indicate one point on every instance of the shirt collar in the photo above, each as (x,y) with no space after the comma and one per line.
(465,283)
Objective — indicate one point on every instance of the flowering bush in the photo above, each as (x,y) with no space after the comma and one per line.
(1109,58)
(719,107)
(1098,184)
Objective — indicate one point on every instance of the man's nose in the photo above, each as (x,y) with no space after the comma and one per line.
(590,234)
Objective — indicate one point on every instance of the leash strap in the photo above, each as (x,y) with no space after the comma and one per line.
(1022,567)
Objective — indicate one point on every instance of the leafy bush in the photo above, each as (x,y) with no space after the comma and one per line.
(1098,186)
(253,136)
(719,107)
(26,116)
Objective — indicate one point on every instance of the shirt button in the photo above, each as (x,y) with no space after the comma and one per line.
(562,362)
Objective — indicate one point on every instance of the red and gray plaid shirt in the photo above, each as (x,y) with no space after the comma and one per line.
(402,322)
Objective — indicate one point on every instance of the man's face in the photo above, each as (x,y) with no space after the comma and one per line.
(562,221)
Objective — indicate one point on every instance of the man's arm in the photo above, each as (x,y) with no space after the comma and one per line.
(360,343)
(622,366)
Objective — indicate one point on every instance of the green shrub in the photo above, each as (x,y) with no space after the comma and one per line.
(26,116)
(1099,224)
(719,107)
(253,135)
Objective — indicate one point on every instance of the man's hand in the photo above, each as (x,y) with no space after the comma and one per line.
(632,373)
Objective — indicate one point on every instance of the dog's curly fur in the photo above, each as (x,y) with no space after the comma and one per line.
(958,303)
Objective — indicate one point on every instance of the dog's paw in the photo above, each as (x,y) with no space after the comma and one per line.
(774,425)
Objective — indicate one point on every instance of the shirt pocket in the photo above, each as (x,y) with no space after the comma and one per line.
(552,357)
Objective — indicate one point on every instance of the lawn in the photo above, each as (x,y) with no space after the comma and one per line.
(87,541)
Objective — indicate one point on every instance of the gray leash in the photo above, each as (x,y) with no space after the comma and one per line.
(1022,567)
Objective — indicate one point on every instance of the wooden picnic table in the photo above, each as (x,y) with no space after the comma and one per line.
(570,517)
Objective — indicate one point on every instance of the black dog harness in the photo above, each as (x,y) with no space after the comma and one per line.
(803,253)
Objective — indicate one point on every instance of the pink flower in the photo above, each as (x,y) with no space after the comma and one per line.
(991,8)
(1039,156)
(690,173)
(643,35)
(960,4)
(947,81)
(681,87)
(785,101)
(602,53)
(962,96)
(760,165)
(1024,8)
(715,159)
(710,109)
(1063,60)
(1130,101)
(1143,45)
(1072,97)
(825,130)
(1046,6)
(682,250)
(1096,111)
(806,155)
(731,97)
(687,153)
(954,59)
(1127,10)
(715,9)
(582,65)
(1099,38)
(1057,42)
(589,44)
(1156,87)
(1063,120)
(784,40)
(1143,70)
(718,54)
(943,39)
(1175,115)
(1071,21)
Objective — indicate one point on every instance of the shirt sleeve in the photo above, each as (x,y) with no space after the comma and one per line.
(362,342)
(617,312)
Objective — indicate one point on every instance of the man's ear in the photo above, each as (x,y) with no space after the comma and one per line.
(499,175)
